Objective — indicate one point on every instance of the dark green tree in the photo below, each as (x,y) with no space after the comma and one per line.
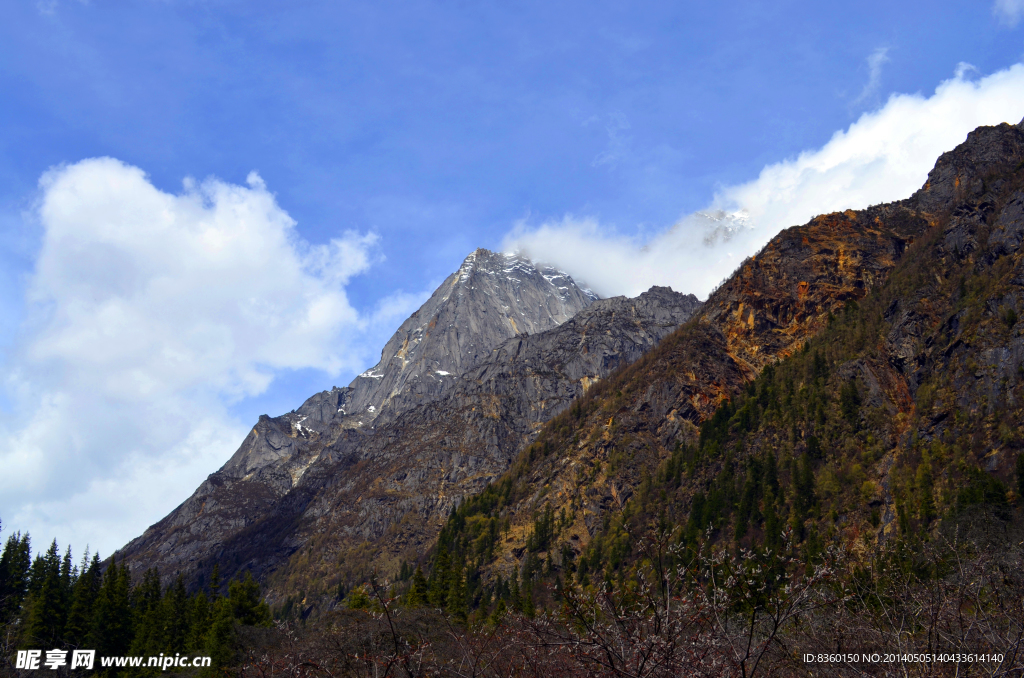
(147,606)
(246,606)
(220,637)
(83,600)
(924,487)
(456,603)
(112,623)
(437,595)
(46,613)
(849,402)
(215,582)
(417,596)
(176,617)
(199,622)
(14,572)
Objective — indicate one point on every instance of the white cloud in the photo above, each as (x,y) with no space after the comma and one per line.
(148,314)
(884,156)
(876,60)
(1009,12)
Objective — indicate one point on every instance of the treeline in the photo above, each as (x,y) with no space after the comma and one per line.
(51,602)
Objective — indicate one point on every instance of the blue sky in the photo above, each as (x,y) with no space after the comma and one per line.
(388,141)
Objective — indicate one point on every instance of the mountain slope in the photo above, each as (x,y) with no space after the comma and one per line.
(859,419)
(332,468)
(384,499)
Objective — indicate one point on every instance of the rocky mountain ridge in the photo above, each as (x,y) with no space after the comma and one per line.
(491,297)
(253,510)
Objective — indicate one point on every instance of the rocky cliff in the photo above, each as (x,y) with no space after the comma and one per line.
(464,383)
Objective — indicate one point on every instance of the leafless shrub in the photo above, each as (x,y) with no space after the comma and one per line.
(949,599)
(716,614)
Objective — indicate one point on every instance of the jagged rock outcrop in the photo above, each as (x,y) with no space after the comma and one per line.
(446,409)
(492,297)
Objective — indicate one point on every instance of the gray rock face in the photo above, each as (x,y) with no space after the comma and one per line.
(964,170)
(492,297)
(1009,231)
(318,475)
(544,372)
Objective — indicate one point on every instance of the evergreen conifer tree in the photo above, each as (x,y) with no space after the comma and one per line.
(221,634)
(417,596)
(246,606)
(83,600)
(438,593)
(500,610)
(14,572)
(456,602)
(147,606)
(46,614)
(515,599)
(112,624)
(176,617)
(199,622)
(358,599)
(215,583)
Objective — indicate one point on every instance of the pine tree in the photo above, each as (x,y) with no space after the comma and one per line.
(215,583)
(46,614)
(515,599)
(220,637)
(246,606)
(83,600)
(772,524)
(199,622)
(14,573)
(438,593)
(417,596)
(68,575)
(358,599)
(924,485)
(112,625)
(456,602)
(500,610)
(849,402)
(147,604)
(176,617)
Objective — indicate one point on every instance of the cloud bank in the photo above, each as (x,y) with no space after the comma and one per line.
(884,156)
(148,314)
